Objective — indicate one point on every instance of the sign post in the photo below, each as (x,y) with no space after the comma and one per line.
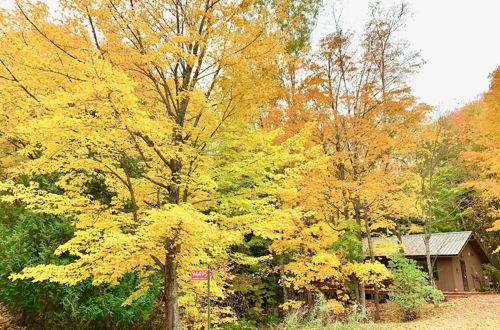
(202,275)
(208,289)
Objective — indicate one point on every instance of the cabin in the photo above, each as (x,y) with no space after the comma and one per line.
(457,256)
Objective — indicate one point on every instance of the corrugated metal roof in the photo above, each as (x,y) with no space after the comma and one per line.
(441,244)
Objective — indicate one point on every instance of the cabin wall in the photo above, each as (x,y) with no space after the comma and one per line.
(473,266)
(450,271)
(450,274)
(447,279)
(457,274)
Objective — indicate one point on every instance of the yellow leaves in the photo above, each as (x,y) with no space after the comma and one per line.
(61,274)
(107,253)
(385,248)
(308,271)
(169,123)
(496,227)
(369,273)
(325,265)
(366,178)
(335,307)
(144,113)
(382,224)
(292,305)
(178,38)
(44,202)
(328,259)
(415,229)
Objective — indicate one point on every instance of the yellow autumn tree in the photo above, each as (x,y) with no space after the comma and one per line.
(366,120)
(436,147)
(479,124)
(137,95)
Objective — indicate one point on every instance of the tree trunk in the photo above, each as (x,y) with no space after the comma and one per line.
(372,259)
(430,265)
(362,295)
(400,239)
(427,238)
(171,295)
(359,290)
(359,235)
(355,281)
(282,276)
(173,321)
(377,302)
(310,300)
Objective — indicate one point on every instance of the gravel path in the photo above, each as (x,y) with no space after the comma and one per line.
(474,312)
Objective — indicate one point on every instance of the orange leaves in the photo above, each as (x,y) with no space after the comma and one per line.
(479,126)
(365,121)
(479,123)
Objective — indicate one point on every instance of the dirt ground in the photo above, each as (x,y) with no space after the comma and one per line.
(8,321)
(474,312)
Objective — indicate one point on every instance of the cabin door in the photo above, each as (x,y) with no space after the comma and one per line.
(464,275)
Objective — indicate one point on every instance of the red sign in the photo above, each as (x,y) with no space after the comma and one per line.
(200,275)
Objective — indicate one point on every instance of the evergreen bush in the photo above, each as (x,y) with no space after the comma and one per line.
(410,289)
(29,239)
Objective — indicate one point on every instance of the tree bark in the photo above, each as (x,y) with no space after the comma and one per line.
(356,289)
(282,276)
(427,238)
(372,259)
(173,321)
(362,295)
(357,216)
(400,239)
(430,265)
(310,300)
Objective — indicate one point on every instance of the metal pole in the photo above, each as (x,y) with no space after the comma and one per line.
(208,289)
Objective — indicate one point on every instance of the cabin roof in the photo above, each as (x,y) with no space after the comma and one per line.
(441,244)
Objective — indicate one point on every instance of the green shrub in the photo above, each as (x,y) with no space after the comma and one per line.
(256,285)
(482,289)
(493,274)
(28,239)
(410,290)
(242,325)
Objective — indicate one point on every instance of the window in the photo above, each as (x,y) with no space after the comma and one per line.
(423,265)
(435,271)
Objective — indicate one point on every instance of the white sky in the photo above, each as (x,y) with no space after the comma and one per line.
(458,39)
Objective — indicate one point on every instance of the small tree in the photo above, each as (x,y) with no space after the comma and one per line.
(437,149)
(410,289)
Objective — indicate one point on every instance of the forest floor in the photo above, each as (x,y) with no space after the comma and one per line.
(474,312)
(8,321)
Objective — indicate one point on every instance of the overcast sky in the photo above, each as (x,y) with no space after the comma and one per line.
(458,39)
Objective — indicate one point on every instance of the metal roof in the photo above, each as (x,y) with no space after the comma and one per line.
(441,244)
